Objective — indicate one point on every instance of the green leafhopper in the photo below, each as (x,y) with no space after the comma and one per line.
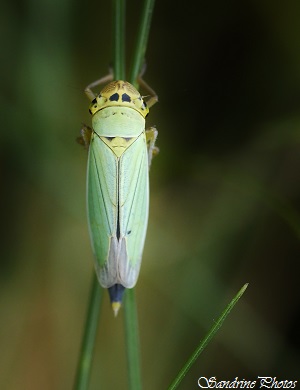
(119,157)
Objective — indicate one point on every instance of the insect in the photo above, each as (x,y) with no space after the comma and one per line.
(120,151)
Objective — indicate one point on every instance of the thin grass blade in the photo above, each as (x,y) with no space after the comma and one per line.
(142,41)
(89,337)
(206,339)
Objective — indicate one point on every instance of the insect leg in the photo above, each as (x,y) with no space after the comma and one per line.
(153,96)
(151,135)
(85,137)
(88,90)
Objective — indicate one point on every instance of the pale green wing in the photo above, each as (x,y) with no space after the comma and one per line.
(102,204)
(134,205)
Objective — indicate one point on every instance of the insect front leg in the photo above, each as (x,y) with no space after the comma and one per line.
(153,96)
(88,90)
(151,135)
(85,137)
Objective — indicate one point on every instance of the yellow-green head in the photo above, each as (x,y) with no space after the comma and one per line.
(122,94)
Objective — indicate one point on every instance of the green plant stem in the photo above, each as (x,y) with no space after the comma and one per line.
(131,318)
(119,39)
(89,337)
(132,341)
(206,339)
(142,40)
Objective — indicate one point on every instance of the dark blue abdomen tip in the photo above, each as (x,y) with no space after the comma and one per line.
(116,293)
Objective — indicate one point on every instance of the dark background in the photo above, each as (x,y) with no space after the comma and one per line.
(224,192)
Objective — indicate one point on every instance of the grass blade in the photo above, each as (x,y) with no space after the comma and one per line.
(132,341)
(131,319)
(89,337)
(142,40)
(206,339)
(119,39)
(130,312)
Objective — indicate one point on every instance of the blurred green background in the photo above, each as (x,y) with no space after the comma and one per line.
(224,192)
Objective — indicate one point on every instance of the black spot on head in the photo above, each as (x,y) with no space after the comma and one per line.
(129,231)
(114,97)
(126,98)
(94,101)
(90,112)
